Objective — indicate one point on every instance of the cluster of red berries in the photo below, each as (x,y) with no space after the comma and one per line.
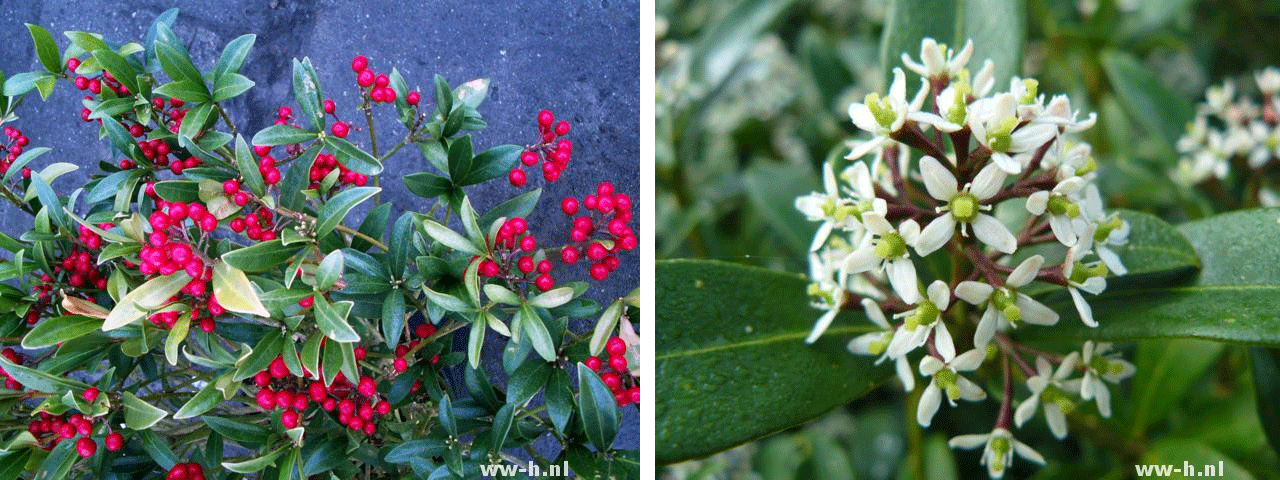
(94,85)
(513,251)
(168,251)
(618,378)
(553,154)
(50,430)
(16,359)
(608,214)
(14,142)
(358,406)
(185,471)
(325,164)
(401,363)
(257,225)
(157,151)
(376,85)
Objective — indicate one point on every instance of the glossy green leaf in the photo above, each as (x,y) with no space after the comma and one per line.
(446,301)
(475,343)
(489,164)
(38,380)
(518,206)
(234,291)
(460,158)
(174,58)
(536,331)
(598,408)
(559,399)
(203,401)
(717,324)
(176,335)
(502,421)
(1228,300)
(248,167)
(414,449)
(393,320)
(353,157)
(552,298)
(119,67)
(261,257)
(772,189)
(306,91)
(447,419)
(282,135)
(336,209)
(232,57)
(255,464)
(183,90)
(1166,371)
(605,326)
(332,320)
(53,331)
(25,82)
(140,415)
(526,382)
(260,356)
(46,48)
(426,185)
(330,269)
(231,86)
(448,237)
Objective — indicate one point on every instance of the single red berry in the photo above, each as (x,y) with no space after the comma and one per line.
(360,354)
(605,189)
(114,441)
(569,255)
(413,98)
(359,64)
(545,118)
(528,244)
(544,267)
(621,399)
(367,387)
(400,365)
(618,363)
(230,187)
(596,252)
(73,64)
(284,112)
(517,178)
(593,363)
(562,128)
(365,79)
(525,264)
(289,419)
(329,106)
(634,393)
(599,272)
(381,81)
(90,395)
(569,206)
(86,447)
(241,199)
(544,282)
(307,302)
(340,130)
(529,158)
(615,346)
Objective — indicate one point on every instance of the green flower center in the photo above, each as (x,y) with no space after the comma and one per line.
(822,296)
(1053,395)
(891,245)
(1000,447)
(1005,299)
(1031,85)
(946,380)
(1081,272)
(964,207)
(1105,229)
(1060,205)
(881,109)
(879,346)
(925,314)
(1000,138)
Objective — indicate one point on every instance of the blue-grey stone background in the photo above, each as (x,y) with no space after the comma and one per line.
(578,58)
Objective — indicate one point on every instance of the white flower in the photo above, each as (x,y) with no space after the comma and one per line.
(828,207)
(1100,366)
(1062,210)
(1266,143)
(1049,389)
(985,80)
(1109,230)
(882,116)
(1059,113)
(1218,98)
(938,60)
(1006,306)
(1090,278)
(827,292)
(998,454)
(946,379)
(963,207)
(886,248)
(994,122)
(924,320)
(1268,80)
(877,343)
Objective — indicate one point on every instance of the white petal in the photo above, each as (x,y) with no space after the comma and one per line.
(862,148)
(991,232)
(930,365)
(829,179)
(970,360)
(961,58)
(1025,272)
(909,229)
(905,375)
(939,181)
(1006,163)
(931,55)
(1072,185)
(863,119)
(1026,410)
(985,79)
(936,234)
(1061,225)
(969,441)
(1056,420)
(970,391)
(1031,137)
(934,120)
(903,342)
(1126,370)
(1067,367)
(1034,312)
(1094,285)
(861,260)
(1027,452)
(1086,313)
(939,294)
(820,238)
(942,341)
(1037,202)
(987,182)
(902,275)
(986,328)
(874,313)
(1043,369)
(1087,386)
(974,292)
(876,223)
(860,178)
(1112,260)
(929,402)
(1103,397)
(821,326)
(861,344)
(913,66)
(898,90)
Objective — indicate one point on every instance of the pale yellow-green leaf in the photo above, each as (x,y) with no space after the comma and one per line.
(234,291)
(148,296)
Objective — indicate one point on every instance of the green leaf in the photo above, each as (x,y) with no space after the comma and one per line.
(174,58)
(1177,452)
(24,82)
(460,158)
(329,270)
(1229,300)
(38,380)
(256,464)
(248,167)
(448,237)
(559,399)
(176,335)
(997,28)
(475,342)
(52,331)
(393,317)
(526,382)
(306,91)
(444,96)
(58,463)
(148,296)
(87,41)
(536,332)
(1266,385)
(178,190)
(282,135)
(415,449)
(489,164)
(1161,112)
(183,90)
(518,206)
(18,163)
(772,189)
(140,415)
(446,301)
(260,355)
(231,86)
(234,292)
(604,328)
(598,408)
(203,401)
(1166,371)
(261,257)
(447,419)
(119,67)
(502,421)
(46,48)
(716,317)
(232,58)
(332,320)
(353,157)
(335,210)
(426,185)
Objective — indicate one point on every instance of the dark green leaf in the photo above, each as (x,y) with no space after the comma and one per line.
(354,157)
(46,49)
(598,408)
(282,135)
(460,158)
(502,421)
(518,206)
(231,86)
(489,164)
(447,419)
(267,349)
(24,82)
(119,68)
(332,320)
(772,189)
(559,399)
(232,58)
(38,380)
(1266,385)
(1166,371)
(719,322)
(174,58)
(329,269)
(393,317)
(1161,112)
(248,167)
(527,381)
(306,91)
(426,185)
(444,96)
(261,257)
(536,331)
(419,448)
(335,210)
(52,331)
(203,401)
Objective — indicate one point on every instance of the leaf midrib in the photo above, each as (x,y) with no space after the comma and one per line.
(776,338)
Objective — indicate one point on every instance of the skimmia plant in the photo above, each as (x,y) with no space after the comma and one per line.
(207,306)
(943,163)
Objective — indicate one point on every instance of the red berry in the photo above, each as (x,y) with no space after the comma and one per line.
(367,387)
(618,363)
(284,112)
(73,64)
(517,178)
(86,447)
(615,346)
(382,81)
(596,252)
(544,267)
(634,394)
(569,206)
(525,264)
(289,419)
(114,441)
(562,128)
(365,79)
(230,187)
(544,282)
(266,399)
(400,365)
(528,244)
(593,363)
(90,395)
(330,106)
(413,98)
(359,64)
(605,189)
(307,302)
(529,158)
(340,130)
(569,255)
(545,118)
(599,272)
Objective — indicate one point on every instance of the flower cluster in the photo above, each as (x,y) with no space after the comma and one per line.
(987,159)
(1235,133)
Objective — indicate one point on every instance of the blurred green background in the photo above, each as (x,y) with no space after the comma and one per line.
(752,98)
